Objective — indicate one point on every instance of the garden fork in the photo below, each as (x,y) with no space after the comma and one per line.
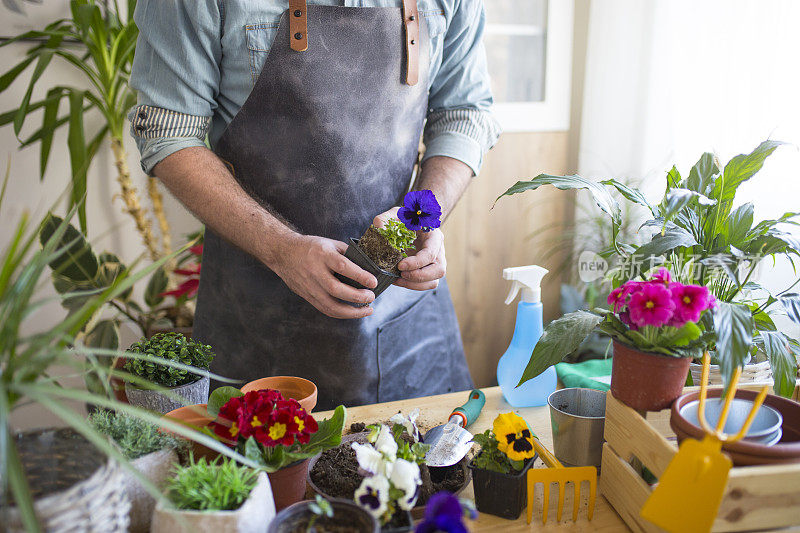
(558,473)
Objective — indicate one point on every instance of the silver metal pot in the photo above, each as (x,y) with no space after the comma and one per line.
(577,418)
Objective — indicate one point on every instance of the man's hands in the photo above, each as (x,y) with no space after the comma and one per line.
(423,270)
(307,263)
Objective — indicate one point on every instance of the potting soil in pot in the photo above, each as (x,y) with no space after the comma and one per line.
(380,251)
(336,474)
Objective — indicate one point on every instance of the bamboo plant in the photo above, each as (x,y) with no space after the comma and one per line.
(28,360)
(701,238)
(99,42)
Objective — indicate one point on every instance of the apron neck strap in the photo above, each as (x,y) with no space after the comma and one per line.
(298,34)
(298,25)
(411,26)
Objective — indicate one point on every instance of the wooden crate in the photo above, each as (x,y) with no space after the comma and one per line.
(756,497)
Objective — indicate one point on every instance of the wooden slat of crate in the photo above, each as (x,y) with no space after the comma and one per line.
(756,497)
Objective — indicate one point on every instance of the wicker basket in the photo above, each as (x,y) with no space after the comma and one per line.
(97,503)
(755,373)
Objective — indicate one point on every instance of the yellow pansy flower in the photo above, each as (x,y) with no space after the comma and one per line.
(513,437)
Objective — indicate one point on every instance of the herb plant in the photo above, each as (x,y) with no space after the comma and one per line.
(319,507)
(221,485)
(703,239)
(134,436)
(171,347)
(397,235)
(505,447)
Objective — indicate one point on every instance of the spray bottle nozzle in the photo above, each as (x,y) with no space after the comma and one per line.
(525,278)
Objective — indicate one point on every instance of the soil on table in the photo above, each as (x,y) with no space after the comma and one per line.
(380,251)
(336,474)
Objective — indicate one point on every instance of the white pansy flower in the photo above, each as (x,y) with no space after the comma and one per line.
(406,477)
(386,444)
(409,422)
(371,460)
(373,495)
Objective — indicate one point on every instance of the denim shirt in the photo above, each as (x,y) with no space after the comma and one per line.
(197,61)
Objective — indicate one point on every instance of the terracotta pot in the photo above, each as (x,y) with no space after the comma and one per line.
(346,515)
(647,381)
(254,515)
(302,390)
(786,450)
(195,417)
(289,484)
(191,393)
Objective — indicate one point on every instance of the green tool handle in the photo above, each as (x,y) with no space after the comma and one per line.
(470,411)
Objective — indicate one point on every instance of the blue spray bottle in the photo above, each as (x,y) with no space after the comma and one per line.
(533,392)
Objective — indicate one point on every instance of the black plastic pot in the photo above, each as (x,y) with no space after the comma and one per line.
(357,256)
(408,524)
(345,514)
(503,495)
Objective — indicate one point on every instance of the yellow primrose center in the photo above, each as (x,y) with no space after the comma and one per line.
(300,423)
(234,429)
(277,431)
(650,304)
(256,422)
(687,300)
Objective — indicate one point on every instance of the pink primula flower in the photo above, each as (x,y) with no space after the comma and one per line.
(652,305)
(690,301)
(619,296)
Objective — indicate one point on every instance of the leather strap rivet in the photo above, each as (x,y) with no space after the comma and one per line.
(411,18)
(297,12)
(412,41)
(298,36)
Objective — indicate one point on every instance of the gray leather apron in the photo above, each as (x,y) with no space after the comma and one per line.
(328,138)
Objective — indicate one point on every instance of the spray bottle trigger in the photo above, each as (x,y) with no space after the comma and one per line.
(515,287)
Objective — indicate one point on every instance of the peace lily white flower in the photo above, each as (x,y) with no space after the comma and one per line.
(373,495)
(409,422)
(371,460)
(386,444)
(406,477)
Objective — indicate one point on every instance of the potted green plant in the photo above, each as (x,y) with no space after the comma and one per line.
(380,249)
(152,452)
(218,496)
(184,386)
(324,516)
(445,513)
(392,482)
(498,470)
(704,240)
(275,433)
(75,469)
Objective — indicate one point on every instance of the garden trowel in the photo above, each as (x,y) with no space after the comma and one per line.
(695,479)
(450,442)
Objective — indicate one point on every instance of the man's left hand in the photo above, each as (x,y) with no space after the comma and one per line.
(423,270)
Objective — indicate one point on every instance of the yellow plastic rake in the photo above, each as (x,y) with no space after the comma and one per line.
(695,479)
(558,473)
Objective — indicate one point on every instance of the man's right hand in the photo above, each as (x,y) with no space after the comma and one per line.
(307,265)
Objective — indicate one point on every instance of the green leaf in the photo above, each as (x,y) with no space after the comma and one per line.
(329,434)
(676,199)
(77,155)
(701,177)
(220,397)
(561,337)
(733,325)
(673,177)
(675,237)
(738,224)
(781,359)
(155,287)
(104,335)
(44,60)
(629,193)
(75,259)
(9,77)
(791,303)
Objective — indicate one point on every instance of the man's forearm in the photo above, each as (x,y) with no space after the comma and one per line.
(448,178)
(199,179)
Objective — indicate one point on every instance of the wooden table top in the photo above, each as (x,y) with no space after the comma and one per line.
(435,409)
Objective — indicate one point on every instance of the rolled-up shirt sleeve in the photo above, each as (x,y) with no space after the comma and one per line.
(175,74)
(460,123)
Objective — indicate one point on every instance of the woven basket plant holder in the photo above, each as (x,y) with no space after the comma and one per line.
(97,504)
(755,373)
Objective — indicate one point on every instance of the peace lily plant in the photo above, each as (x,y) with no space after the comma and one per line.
(703,240)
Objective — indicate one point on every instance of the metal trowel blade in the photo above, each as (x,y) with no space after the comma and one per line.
(449,444)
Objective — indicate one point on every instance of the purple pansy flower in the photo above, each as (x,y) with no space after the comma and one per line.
(420,211)
(652,305)
(443,513)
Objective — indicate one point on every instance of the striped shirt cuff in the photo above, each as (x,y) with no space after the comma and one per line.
(148,122)
(463,134)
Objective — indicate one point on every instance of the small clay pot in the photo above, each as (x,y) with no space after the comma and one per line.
(195,417)
(346,515)
(647,381)
(192,393)
(786,450)
(302,390)
(289,484)
(357,256)
(498,494)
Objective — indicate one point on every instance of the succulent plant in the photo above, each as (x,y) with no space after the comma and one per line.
(172,347)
